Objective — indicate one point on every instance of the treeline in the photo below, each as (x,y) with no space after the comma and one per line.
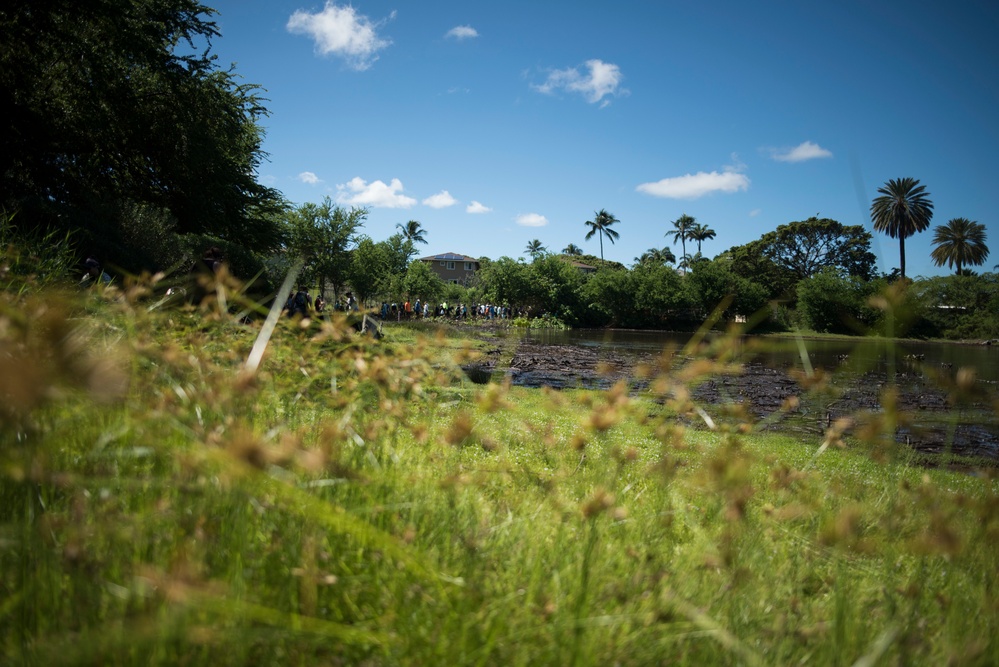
(659,297)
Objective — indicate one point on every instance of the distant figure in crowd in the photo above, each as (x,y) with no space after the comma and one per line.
(212,259)
(299,303)
(320,303)
(94,274)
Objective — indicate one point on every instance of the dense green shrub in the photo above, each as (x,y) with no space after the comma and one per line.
(830,302)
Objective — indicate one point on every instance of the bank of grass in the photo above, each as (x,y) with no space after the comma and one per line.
(352,501)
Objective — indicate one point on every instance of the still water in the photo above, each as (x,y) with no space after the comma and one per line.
(867,354)
(946,415)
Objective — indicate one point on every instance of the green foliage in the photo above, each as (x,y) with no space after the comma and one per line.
(116,105)
(413,232)
(368,273)
(322,236)
(610,299)
(555,288)
(903,208)
(751,262)
(657,256)
(833,303)
(602,226)
(804,248)
(713,284)
(32,259)
(661,295)
(683,227)
(535,249)
(960,242)
(422,283)
(505,281)
(959,307)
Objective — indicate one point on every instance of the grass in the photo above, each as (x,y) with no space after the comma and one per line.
(361,502)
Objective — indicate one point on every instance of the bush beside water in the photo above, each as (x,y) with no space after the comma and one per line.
(349,501)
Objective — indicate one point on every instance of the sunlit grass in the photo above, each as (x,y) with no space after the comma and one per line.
(359,501)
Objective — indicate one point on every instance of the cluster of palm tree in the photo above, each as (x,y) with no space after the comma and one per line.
(904,208)
(686,228)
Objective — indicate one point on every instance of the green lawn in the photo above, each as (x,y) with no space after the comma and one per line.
(353,501)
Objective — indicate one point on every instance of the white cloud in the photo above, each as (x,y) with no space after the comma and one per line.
(442,199)
(342,32)
(309,177)
(476,207)
(755,212)
(800,153)
(461,32)
(602,79)
(358,192)
(692,186)
(531,220)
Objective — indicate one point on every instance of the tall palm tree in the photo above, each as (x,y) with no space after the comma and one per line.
(683,226)
(701,233)
(534,248)
(413,231)
(903,209)
(572,249)
(601,225)
(959,242)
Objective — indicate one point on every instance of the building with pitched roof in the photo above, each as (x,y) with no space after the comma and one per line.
(452,267)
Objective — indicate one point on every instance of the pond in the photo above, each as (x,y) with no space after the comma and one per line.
(925,375)
(783,352)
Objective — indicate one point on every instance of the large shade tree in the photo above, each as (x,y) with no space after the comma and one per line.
(804,248)
(959,243)
(600,226)
(112,105)
(323,236)
(902,209)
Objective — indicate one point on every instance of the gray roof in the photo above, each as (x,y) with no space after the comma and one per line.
(449,257)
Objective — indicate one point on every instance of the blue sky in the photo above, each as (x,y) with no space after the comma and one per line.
(497,123)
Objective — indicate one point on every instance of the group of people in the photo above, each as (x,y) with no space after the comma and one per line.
(461,311)
(301,303)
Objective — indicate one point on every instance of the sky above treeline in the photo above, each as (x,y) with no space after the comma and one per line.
(493,124)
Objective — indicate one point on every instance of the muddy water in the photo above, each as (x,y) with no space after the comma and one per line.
(777,352)
(925,375)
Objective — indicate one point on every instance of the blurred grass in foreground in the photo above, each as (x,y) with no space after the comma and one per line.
(359,502)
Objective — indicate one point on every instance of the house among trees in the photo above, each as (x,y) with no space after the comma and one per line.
(583,268)
(452,267)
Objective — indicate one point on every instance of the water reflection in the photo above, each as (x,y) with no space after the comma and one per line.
(949,388)
(857,355)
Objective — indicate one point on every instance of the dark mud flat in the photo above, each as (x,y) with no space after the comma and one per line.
(762,391)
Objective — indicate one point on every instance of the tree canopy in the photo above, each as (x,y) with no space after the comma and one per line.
(112,104)
(323,235)
(804,248)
